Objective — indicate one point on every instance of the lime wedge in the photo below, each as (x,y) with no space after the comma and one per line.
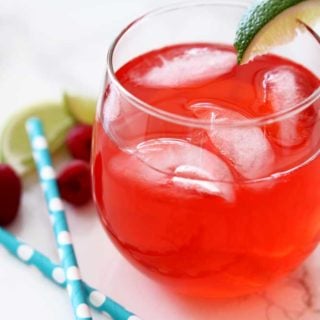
(14,143)
(269,23)
(82,109)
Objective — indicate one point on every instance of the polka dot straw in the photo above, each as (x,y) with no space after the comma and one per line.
(46,173)
(55,273)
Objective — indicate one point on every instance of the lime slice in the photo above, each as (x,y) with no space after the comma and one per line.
(269,23)
(14,143)
(82,109)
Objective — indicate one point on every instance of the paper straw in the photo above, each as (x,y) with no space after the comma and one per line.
(68,258)
(55,273)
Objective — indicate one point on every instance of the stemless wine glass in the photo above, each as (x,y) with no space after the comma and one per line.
(210,206)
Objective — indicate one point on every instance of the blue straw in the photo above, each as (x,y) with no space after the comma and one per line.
(28,255)
(68,258)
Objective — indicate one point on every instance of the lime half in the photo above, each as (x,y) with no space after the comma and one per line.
(14,144)
(269,23)
(82,109)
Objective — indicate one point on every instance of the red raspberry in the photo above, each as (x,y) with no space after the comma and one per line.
(74,182)
(79,142)
(10,194)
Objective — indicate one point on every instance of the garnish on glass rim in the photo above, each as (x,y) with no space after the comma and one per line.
(269,23)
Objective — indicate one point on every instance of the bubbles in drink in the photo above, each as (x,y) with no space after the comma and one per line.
(188,66)
(247,148)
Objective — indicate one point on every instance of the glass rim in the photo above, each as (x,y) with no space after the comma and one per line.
(188,121)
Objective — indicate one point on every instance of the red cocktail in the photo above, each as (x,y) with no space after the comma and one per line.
(206,173)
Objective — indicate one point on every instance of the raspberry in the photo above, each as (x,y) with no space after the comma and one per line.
(10,194)
(79,142)
(74,182)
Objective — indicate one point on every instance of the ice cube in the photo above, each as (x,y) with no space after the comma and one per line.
(189,177)
(191,66)
(284,88)
(247,148)
(185,165)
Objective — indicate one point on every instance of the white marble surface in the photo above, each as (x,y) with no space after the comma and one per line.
(47,47)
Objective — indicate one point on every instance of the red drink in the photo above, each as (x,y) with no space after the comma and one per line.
(213,211)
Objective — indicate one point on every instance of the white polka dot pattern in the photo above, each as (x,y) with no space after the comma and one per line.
(55,273)
(47,173)
(73,273)
(58,275)
(39,143)
(97,299)
(25,252)
(83,311)
(55,204)
(64,238)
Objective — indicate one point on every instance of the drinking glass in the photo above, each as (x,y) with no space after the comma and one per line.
(168,202)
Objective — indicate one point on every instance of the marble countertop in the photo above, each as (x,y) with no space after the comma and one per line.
(51,46)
